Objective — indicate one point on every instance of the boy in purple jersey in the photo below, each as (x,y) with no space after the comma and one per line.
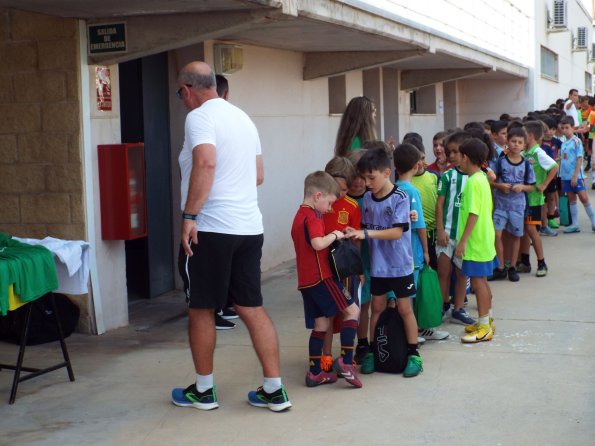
(386,228)
(514,178)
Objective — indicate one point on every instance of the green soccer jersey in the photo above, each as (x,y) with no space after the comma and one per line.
(542,163)
(29,268)
(477,199)
(451,186)
(427,185)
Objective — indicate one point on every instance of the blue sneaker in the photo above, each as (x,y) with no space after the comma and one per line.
(571,229)
(276,401)
(461,317)
(548,232)
(190,397)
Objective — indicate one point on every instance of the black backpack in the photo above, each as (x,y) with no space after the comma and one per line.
(390,343)
(42,327)
(345,259)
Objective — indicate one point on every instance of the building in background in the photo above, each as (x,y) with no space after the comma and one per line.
(77,75)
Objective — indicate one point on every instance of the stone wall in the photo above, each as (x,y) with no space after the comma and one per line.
(41,178)
(41,167)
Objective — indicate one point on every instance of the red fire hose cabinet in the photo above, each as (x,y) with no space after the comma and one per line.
(122,188)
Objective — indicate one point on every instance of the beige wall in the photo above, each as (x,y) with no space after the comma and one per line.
(479,100)
(40,153)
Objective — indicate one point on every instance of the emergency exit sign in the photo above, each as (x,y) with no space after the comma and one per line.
(107,38)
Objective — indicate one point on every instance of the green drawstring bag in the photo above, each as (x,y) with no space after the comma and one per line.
(564,209)
(427,304)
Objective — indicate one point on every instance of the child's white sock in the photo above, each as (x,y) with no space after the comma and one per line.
(271,385)
(590,213)
(204,382)
(491,313)
(574,214)
(484,320)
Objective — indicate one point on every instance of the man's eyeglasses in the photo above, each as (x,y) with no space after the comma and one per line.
(179,91)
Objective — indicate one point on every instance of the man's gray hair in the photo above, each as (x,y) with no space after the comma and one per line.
(198,80)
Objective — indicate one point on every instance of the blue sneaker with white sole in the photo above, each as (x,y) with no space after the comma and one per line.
(190,397)
(276,401)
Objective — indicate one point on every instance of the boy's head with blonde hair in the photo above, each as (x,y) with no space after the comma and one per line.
(320,191)
(322,182)
(342,170)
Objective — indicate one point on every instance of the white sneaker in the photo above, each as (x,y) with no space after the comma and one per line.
(421,340)
(447,314)
(434,335)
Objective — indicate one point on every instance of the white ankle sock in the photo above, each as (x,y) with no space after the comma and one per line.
(204,382)
(271,385)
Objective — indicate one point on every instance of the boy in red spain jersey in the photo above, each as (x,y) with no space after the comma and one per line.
(323,295)
(344,212)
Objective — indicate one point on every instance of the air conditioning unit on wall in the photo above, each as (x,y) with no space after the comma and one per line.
(581,38)
(560,19)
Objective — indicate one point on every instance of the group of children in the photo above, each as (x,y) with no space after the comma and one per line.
(472,215)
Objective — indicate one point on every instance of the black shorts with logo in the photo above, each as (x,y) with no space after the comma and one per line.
(222,266)
(401,286)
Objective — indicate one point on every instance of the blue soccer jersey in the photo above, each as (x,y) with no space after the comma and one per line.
(389,258)
(571,150)
(415,205)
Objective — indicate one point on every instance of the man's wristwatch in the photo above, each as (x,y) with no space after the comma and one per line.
(189,216)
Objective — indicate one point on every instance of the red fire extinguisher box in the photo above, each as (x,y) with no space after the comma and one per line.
(122,189)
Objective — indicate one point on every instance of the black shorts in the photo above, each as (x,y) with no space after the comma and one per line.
(223,265)
(432,249)
(533,216)
(401,286)
(552,187)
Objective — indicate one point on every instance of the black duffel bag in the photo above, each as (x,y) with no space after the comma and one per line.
(42,328)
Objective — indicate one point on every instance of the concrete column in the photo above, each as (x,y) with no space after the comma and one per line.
(390,102)
(450,104)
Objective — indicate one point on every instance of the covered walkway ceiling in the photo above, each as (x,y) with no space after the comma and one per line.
(334,37)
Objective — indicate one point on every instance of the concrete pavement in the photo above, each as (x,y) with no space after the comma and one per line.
(533,384)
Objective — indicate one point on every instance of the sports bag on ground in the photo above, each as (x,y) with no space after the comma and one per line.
(564,209)
(390,343)
(42,327)
(427,304)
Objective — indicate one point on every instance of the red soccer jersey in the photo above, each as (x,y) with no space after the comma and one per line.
(435,168)
(345,212)
(312,265)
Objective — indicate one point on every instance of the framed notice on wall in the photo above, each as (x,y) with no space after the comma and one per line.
(103,87)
